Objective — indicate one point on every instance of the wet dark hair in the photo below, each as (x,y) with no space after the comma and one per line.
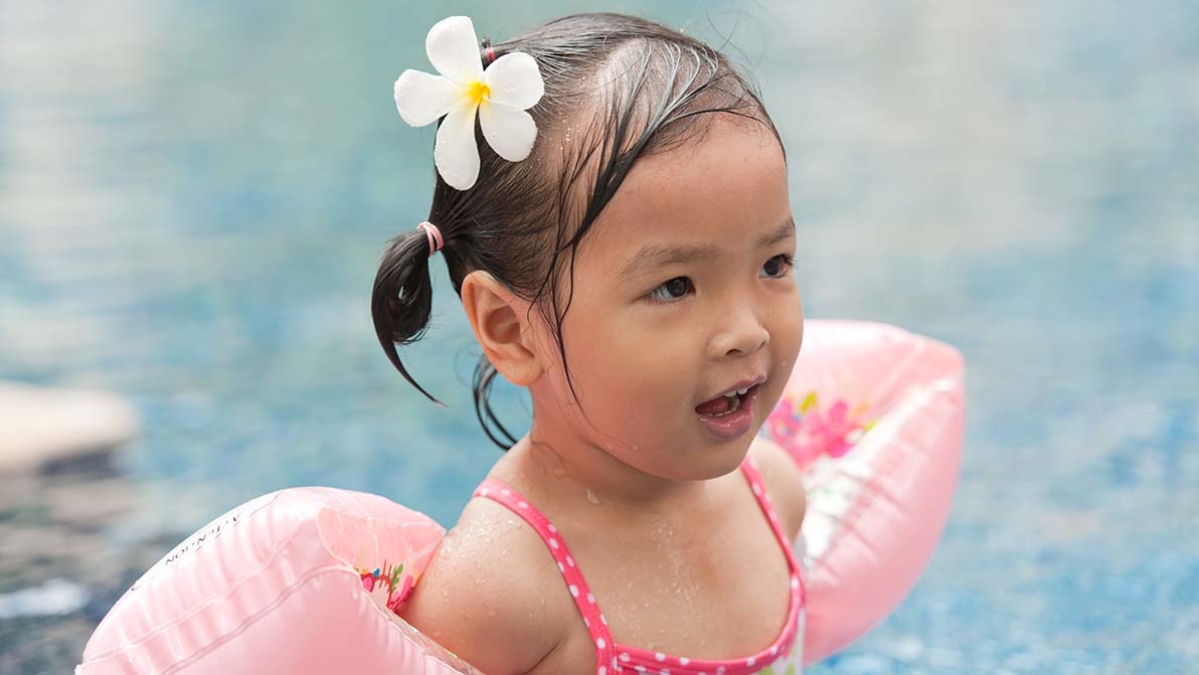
(616,88)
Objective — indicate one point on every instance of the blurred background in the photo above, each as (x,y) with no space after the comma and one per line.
(194,198)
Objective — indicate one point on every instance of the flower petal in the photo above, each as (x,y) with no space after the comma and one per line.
(422,98)
(515,81)
(508,131)
(453,50)
(455,153)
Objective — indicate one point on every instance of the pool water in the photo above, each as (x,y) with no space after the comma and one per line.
(194,198)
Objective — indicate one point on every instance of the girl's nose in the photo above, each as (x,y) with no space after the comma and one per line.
(741,333)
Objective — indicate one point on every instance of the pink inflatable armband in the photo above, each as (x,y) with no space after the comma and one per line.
(297,581)
(874,416)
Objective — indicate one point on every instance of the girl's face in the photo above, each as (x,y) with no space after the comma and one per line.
(683,296)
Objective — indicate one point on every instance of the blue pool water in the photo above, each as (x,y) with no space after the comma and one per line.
(194,196)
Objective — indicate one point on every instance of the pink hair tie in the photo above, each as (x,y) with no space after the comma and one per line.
(433,235)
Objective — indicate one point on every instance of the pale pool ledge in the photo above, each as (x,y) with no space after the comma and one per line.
(40,425)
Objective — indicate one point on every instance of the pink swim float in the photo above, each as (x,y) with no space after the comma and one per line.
(874,415)
(303,580)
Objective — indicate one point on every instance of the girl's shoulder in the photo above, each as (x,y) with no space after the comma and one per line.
(483,596)
(783,482)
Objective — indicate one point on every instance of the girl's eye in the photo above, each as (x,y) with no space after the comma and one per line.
(675,289)
(777,266)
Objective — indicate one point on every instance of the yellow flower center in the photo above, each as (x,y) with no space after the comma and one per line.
(478,92)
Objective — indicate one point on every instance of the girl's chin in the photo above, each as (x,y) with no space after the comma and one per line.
(713,460)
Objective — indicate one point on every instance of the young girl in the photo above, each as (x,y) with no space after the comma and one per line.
(634,271)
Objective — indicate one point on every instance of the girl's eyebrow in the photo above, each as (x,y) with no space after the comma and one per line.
(785,230)
(659,255)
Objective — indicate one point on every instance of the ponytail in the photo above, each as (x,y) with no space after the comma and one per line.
(402,300)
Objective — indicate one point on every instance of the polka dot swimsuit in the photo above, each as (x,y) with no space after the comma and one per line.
(783,657)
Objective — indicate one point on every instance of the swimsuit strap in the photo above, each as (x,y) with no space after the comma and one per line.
(750,468)
(580,592)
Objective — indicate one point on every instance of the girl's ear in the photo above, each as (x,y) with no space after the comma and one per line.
(503,326)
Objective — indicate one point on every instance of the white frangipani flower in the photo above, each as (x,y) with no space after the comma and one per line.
(500,95)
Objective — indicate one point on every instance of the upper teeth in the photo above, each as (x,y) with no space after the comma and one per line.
(737,392)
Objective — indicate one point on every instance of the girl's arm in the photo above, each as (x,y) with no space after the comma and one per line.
(483,594)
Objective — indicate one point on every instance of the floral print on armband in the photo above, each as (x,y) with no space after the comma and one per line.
(808,431)
(388,585)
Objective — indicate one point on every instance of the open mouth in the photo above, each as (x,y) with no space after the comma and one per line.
(729,416)
(723,406)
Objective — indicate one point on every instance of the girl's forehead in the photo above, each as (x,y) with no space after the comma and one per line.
(729,182)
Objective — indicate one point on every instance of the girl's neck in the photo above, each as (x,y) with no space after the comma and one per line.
(573,471)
